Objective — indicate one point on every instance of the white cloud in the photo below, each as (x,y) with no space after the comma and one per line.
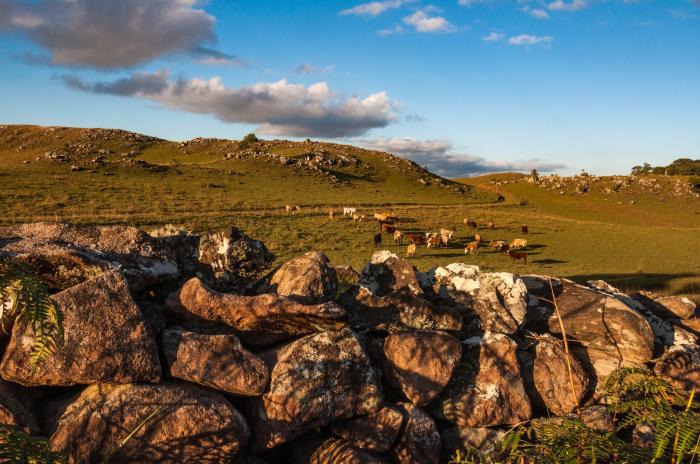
(438,157)
(373,9)
(492,37)
(527,39)
(470,2)
(423,21)
(536,13)
(561,5)
(390,31)
(112,34)
(278,108)
(306,68)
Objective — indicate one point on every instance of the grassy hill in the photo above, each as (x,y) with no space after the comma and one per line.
(644,233)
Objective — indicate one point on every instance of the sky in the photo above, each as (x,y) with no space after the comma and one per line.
(463,87)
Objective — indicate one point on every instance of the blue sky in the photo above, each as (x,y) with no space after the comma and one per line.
(464,86)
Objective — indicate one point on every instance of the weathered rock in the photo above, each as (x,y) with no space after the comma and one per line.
(599,321)
(596,417)
(680,366)
(399,310)
(499,299)
(235,259)
(174,423)
(420,440)
(422,362)
(14,408)
(666,306)
(106,340)
(466,439)
(375,432)
(217,361)
(309,278)
(63,255)
(314,381)
(347,275)
(560,390)
(336,451)
(689,325)
(261,319)
(387,273)
(486,389)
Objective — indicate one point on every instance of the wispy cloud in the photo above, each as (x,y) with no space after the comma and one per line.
(372,9)
(536,13)
(307,68)
(390,31)
(106,34)
(439,157)
(492,37)
(561,5)
(527,39)
(425,20)
(279,108)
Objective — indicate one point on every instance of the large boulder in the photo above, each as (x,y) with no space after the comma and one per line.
(666,306)
(422,362)
(468,440)
(260,319)
(487,388)
(386,273)
(680,366)
(336,451)
(309,278)
(235,259)
(106,340)
(172,423)
(499,299)
(419,440)
(376,432)
(314,381)
(560,389)
(218,361)
(63,255)
(605,325)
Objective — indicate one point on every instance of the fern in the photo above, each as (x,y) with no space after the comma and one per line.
(16,447)
(25,297)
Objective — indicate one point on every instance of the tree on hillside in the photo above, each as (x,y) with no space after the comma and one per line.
(248,141)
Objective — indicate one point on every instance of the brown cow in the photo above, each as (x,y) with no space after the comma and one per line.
(398,237)
(411,250)
(472,247)
(498,244)
(418,239)
(491,225)
(524,230)
(331,214)
(477,238)
(471,224)
(388,229)
(435,241)
(516,255)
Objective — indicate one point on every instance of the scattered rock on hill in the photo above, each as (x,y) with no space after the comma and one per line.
(106,340)
(666,306)
(261,319)
(309,278)
(422,362)
(217,361)
(174,423)
(314,381)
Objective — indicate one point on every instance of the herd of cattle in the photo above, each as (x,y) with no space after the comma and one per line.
(388,225)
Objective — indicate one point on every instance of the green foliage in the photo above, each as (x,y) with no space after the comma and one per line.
(680,167)
(25,297)
(16,447)
(634,396)
(248,141)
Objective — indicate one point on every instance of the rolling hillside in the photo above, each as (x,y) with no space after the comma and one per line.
(642,233)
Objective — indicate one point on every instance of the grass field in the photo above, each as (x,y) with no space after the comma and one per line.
(650,244)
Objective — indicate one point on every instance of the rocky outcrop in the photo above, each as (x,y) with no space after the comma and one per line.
(310,278)
(314,381)
(469,439)
(422,362)
(387,273)
(217,361)
(486,388)
(680,366)
(106,340)
(375,432)
(666,306)
(173,423)
(261,319)
(336,451)
(14,408)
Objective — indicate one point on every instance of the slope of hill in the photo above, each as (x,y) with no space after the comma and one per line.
(645,234)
